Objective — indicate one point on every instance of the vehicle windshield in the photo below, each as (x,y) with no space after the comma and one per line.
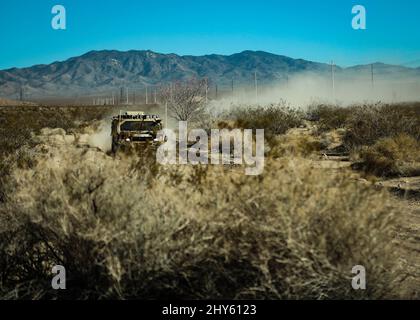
(138,126)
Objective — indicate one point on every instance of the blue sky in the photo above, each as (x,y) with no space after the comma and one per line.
(314,30)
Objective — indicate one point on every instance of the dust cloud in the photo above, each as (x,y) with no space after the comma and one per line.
(101,136)
(303,90)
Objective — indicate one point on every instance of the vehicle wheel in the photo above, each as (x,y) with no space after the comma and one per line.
(115,147)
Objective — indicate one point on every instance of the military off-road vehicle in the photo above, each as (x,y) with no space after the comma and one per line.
(134,128)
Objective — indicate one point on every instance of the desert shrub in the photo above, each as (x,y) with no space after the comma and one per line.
(185,99)
(18,125)
(274,119)
(294,145)
(34,118)
(194,233)
(398,156)
(329,117)
(369,123)
(14,134)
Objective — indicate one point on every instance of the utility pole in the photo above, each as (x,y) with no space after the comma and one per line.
(147,96)
(127,96)
(372,75)
(207,89)
(155,96)
(166,104)
(333,79)
(166,114)
(256,86)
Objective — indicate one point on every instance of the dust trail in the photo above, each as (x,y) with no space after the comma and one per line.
(101,138)
(305,89)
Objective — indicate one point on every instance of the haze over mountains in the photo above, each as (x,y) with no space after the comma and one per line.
(108,70)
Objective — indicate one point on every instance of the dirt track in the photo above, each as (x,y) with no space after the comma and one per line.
(408,239)
(406,194)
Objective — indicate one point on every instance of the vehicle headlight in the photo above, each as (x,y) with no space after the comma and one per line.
(128,139)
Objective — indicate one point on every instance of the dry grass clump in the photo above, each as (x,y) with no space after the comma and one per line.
(329,117)
(294,232)
(19,124)
(274,119)
(294,145)
(381,137)
(398,156)
(369,123)
(385,138)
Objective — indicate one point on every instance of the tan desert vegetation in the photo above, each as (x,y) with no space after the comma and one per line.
(126,227)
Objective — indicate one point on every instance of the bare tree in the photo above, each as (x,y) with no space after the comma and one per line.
(186,100)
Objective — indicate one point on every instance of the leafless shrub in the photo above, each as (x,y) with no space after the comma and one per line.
(185,100)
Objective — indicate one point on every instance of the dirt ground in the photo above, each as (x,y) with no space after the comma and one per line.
(408,239)
(406,194)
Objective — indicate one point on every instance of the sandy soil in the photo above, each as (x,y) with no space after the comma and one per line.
(406,194)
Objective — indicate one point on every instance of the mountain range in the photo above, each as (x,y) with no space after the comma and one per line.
(109,70)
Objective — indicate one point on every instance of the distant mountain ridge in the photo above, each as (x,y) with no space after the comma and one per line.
(108,70)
